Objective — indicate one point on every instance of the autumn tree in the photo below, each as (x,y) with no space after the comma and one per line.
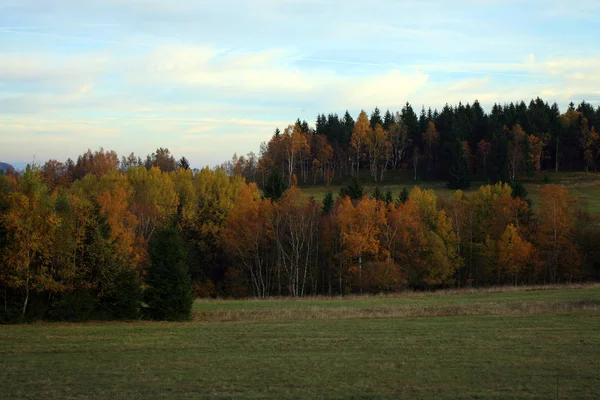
(484,148)
(215,194)
(297,222)
(153,199)
(360,226)
(555,234)
(379,150)
(55,174)
(513,254)
(161,159)
(360,134)
(97,163)
(430,138)
(29,225)
(294,144)
(248,236)
(399,140)
(516,150)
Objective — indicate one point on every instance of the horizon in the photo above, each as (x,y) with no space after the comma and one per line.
(207,81)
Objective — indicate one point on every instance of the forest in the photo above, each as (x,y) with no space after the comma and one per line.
(111,238)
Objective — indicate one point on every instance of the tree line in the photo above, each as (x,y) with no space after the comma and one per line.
(126,241)
(457,144)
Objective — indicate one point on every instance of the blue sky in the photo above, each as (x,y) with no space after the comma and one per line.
(210,78)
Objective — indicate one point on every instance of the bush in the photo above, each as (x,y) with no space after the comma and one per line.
(122,300)
(75,306)
(169,295)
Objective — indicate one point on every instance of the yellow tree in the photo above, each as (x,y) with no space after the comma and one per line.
(516,156)
(404,241)
(154,198)
(360,134)
(430,138)
(379,149)
(114,204)
(215,194)
(556,234)
(399,139)
(29,225)
(323,156)
(183,180)
(536,147)
(248,237)
(294,144)
(590,142)
(360,228)
(297,223)
(513,254)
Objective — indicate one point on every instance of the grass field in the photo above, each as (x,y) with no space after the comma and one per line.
(473,344)
(584,186)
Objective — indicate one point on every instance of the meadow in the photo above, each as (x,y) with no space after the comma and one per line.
(495,343)
(583,186)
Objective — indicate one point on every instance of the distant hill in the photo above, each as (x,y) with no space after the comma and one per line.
(5,166)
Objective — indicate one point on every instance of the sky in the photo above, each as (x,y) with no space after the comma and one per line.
(209,78)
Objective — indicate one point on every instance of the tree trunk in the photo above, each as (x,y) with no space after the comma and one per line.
(556,156)
(360,272)
(26,293)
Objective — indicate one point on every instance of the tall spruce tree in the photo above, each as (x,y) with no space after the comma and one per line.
(458,173)
(498,160)
(169,295)
(275,185)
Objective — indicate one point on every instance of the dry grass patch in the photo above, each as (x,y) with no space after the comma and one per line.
(493,301)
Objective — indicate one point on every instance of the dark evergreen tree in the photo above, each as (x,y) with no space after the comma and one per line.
(408,116)
(389,197)
(375,118)
(403,198)
(327,203)
(183,163)
(458,173)
(275,185)
(388,119)
(518,190)
(354,189)
(348,127)
(169,295)
(498,159)
(378,194)
(423,120)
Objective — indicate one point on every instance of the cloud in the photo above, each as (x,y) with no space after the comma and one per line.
(240,74)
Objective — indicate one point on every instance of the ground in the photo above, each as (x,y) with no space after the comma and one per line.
(468,344)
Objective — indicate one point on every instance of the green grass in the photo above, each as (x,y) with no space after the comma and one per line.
(584,186)
(514,355)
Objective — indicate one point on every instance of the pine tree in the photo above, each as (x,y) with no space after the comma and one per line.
(354,190)
(169,295)
(378,194)
(389,197)
(275,185)
(498,159)
(327,203)
(403,198)
(458,173)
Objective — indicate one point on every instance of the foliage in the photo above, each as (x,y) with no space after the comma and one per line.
(275,185)
(327,203)
(354,190)
(169,295)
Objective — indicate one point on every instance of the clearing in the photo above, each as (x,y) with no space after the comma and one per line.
(507,343)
